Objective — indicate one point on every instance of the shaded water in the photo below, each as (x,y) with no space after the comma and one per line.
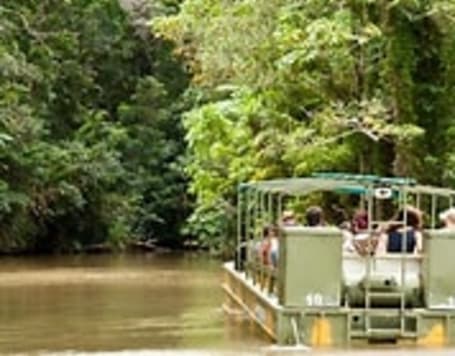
(126,302)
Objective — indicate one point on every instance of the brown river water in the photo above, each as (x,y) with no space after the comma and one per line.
(143,304)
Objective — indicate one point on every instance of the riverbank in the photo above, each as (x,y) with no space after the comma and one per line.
(134,246)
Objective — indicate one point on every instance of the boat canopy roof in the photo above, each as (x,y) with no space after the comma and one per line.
(343,183)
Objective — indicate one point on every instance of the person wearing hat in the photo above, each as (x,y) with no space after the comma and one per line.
(448,218)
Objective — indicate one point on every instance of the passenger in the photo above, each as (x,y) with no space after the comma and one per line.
(358,238)
(348,237)
(392,240)
(268,234)
(314,216)
(340,217)
(359,222)
(288,218)
(274,250)
(448,218)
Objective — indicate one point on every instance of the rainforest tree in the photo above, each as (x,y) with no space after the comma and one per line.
(90,130)
(291,87)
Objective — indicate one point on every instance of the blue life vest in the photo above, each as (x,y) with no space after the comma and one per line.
(395,239)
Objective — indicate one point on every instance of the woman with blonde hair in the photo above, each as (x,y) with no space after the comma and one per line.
(448,218)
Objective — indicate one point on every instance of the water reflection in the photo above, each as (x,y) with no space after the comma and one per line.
(115,303)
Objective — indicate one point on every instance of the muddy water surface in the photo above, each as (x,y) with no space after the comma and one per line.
(145,304)
(113,303)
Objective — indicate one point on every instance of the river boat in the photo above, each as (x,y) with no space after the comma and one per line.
(321,295)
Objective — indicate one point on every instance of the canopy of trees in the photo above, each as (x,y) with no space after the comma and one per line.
(289,87)
(90,133)
(95,106)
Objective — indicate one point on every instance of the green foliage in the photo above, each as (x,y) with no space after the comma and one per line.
(87,132)
(291,88)
(211,225)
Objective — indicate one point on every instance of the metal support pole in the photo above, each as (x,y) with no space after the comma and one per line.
(418,201)
(370,192)
(239,229)
(257,236)
(403,259)
(249,240)
(263,220)
(434,202)
(400,201)
(280,207)
(269,207)
(370,207)
(278,279)
(256,214)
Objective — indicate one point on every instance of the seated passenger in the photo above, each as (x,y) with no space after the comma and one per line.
(358,239)
(288,218)
(314,216)
(348,238)
(268,236)
(448,218)
(359,222)
(339,216)
(274,250)
(396,234)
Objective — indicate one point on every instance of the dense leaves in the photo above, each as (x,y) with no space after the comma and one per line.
(91,103)
(290,87)
(89,127)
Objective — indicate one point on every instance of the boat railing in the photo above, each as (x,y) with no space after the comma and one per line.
(263,276)
(367,293)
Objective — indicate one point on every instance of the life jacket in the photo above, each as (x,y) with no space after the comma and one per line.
(395,238)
